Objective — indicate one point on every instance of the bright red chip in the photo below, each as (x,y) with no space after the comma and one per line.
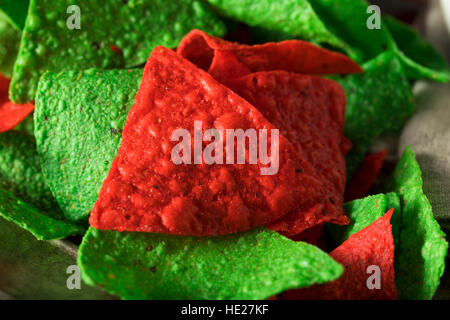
(368,259)
(11,114)
(310,113)
(146,191)
(359,186)
(290,55)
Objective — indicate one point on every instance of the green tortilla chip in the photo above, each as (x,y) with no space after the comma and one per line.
(9,45)
(16,10)
(79,118)
(279,19)
(20,172)
(378,101)
(253,265)
(112,35)
(42,225)
(420,59)
(421,249)
(363,213)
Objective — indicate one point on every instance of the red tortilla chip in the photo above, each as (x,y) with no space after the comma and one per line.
(359,186)
(310,113)
(145,191)
(290,55)
(11,114)
(361,255)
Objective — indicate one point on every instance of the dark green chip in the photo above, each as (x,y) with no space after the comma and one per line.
(79,118)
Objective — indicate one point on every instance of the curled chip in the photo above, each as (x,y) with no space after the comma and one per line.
(368,259)
(11,114)
(297,56)
(310,113)
(147,191)
(359,186)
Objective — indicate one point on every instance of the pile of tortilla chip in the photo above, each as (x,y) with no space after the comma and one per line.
(218,150)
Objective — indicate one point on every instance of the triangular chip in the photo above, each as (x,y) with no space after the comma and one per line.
(368,259)
(310,113)
(290,55)
(146,191)
(362,213)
